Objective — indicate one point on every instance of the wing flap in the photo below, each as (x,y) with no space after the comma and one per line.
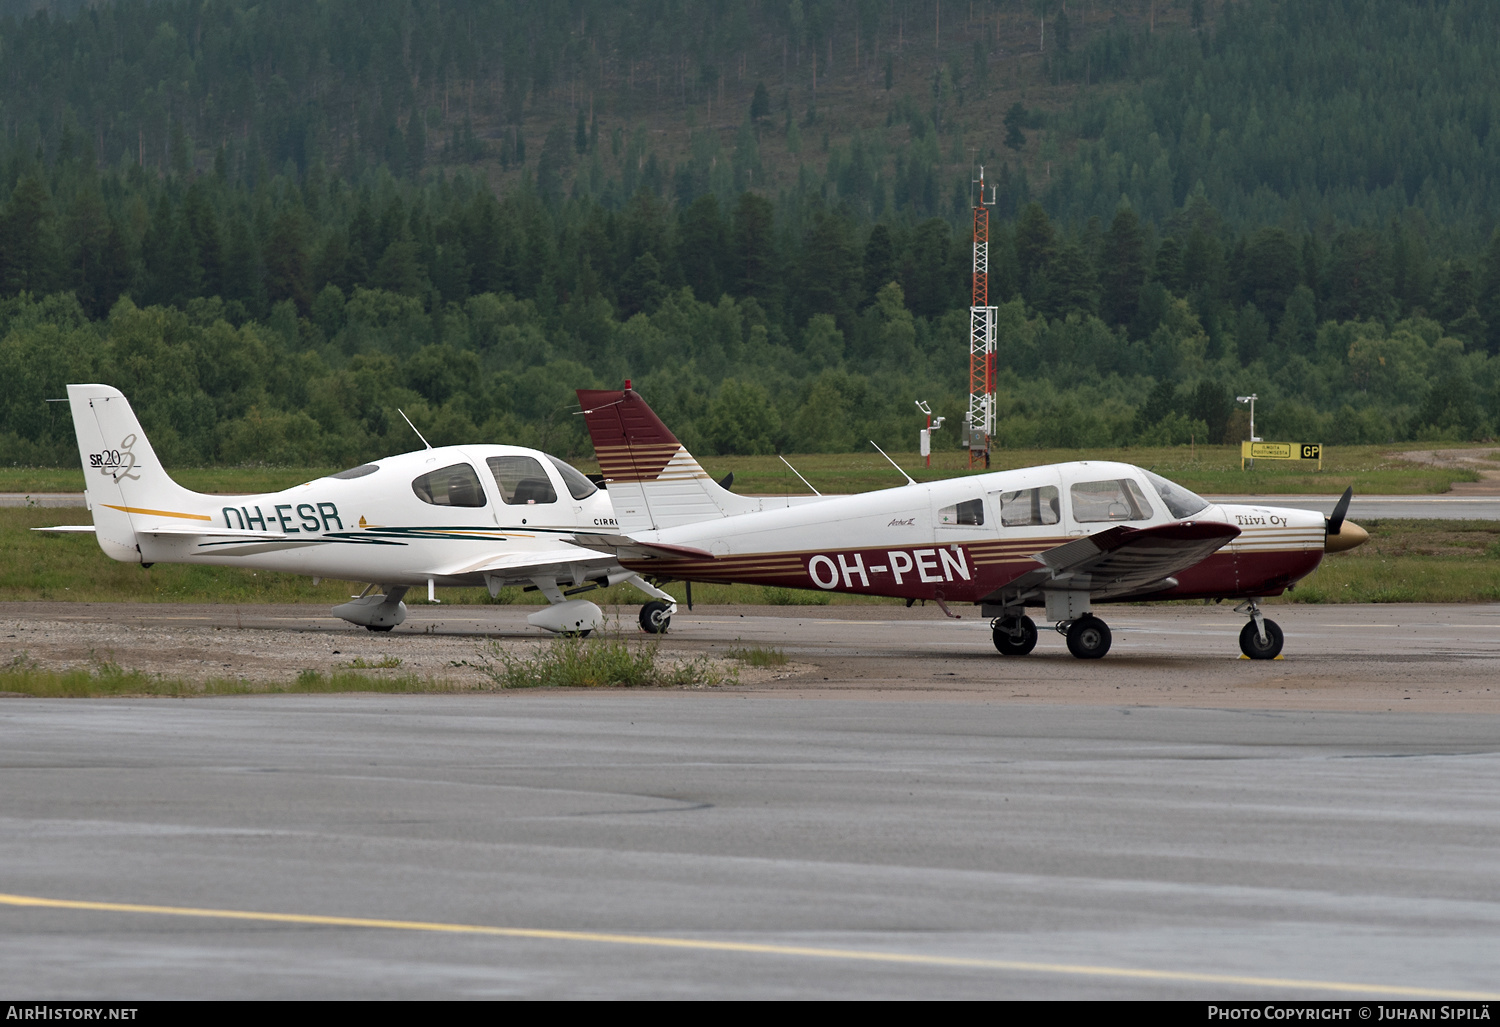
(1122,560)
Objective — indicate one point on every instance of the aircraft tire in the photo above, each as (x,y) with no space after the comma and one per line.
(1012,645)
(1250,643)
(1089,637)
(654,618)
(379,627)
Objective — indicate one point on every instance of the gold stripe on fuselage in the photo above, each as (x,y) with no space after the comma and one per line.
(157,513)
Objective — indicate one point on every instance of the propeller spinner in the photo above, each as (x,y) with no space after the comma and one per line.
(1343,534)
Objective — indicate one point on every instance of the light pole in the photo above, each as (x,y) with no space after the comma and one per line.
(1251,400)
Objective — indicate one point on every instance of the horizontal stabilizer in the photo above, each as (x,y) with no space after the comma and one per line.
(556,561)
(189,531)
(69,529)
(627,548)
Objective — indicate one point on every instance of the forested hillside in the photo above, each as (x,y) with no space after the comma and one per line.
(274,223)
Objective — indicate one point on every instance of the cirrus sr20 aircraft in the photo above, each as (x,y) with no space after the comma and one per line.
(453,516)
(1060,538)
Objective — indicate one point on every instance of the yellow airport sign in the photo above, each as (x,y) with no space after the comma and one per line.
(1281,451)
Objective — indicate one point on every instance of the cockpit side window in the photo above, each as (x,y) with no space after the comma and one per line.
(970,512)
(1029,506)
(521,480)
(1119,499)
(578,486)
(456,485)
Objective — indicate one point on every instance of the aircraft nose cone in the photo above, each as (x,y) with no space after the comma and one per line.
(1350,535)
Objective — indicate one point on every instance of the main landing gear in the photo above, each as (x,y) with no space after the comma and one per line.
(1014,636)
(1088,637)
(1260,639)
(656,616)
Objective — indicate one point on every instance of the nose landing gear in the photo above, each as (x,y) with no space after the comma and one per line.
(1260,639)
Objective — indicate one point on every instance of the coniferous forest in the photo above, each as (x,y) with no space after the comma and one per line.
(272,224)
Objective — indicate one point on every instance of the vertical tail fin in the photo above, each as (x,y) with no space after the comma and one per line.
(654,482)
(124,478)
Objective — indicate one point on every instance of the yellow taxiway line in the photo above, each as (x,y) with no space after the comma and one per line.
(754,948)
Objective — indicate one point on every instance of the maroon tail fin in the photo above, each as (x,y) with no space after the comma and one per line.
(631,442)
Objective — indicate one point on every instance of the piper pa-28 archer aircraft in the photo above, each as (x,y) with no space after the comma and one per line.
(1061,537)
(456,515)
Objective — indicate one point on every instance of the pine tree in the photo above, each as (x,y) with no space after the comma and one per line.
(1122,267)
(242,272)
(701,247)
(181,274)
(760,103)
(203,223)
(155,245)
(88,240)
(32,261)
(1035,246)
(1015,119)
(1488,302)
(286,261)
(755,249)
(879,262)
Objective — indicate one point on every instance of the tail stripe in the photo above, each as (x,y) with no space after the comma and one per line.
(159,513)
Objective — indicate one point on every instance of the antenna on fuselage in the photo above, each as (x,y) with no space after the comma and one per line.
(412,427)
(797,473)
(893,463)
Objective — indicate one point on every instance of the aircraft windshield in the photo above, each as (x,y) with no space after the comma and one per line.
(1179,500)
(579,487)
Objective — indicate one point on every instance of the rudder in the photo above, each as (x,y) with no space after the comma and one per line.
(123,477)
(654,482)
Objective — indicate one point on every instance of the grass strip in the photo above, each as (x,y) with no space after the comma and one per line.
(600,661)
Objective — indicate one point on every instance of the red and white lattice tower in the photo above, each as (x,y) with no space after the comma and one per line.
(980,424)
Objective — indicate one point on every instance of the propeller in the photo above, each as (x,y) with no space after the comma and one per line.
(1335,520)
(1343,534)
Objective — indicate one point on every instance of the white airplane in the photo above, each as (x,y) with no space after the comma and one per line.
(452,516)
(1060,537)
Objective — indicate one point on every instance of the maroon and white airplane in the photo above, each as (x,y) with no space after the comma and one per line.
(1061,537)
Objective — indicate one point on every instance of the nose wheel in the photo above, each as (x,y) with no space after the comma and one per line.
(1253,646)
(1261,639)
